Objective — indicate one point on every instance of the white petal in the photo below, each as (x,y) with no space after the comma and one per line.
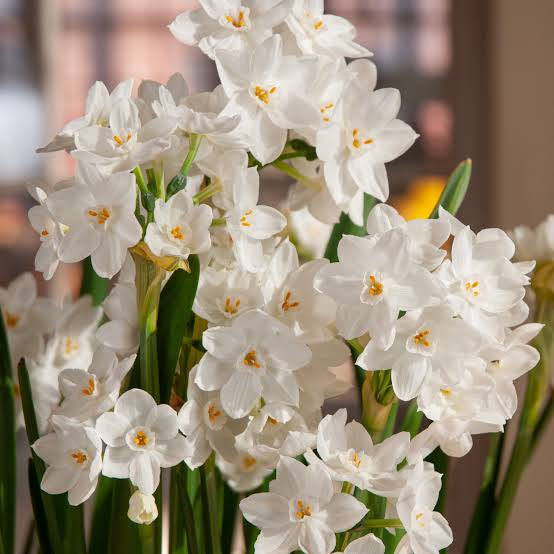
(265,510)
(134,405)
(343,512)
(144,473)
(240,394)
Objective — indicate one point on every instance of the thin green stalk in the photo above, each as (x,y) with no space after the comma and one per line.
(187,511)
(210,505)
(29,538)
(412,419)
(291,172)
(93,284)
(207,192)
(140,180)
(230,504)
(543,422)
(194,144)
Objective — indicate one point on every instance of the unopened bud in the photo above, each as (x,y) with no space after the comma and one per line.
(142,508)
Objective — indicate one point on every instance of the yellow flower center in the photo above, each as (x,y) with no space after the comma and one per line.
(375,287)
(357,141)
(213,413)
(251,360)
(324,109)
(238,22)
(70,346)
(244,219)
(141,439)
(88,391)
(472,288)
(356,460)
(176,232)
(232,307)
(419,338)
(120,142)
(262,94)
(101,215)
(272,420)
(287,304)
(11,320)
(79,457)
(303,510)
(44,233)
(318,25)
(446,392)
(248,462)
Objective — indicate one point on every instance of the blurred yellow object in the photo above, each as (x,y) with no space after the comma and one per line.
(420,197)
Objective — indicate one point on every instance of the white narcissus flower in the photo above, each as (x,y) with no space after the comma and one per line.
(426,531)
(364,135)
(229,24)
(141,438)
(250,224)
(426,236)
(372,282)
(206,426)
(428,340)
(180,228)
(121,333)
(73,453)
(253,359)
(127,143)
(535,244)
(50,235)
(97,113)
(369,544)
(270,92)
(88,394)
(142,508)
(99,215)
(323,34)
(301,511)
(348,454)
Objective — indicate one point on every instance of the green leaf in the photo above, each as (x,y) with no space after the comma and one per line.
(230,504)
(123,533)
(412,419)
(38,510)
(174,315)
(93,284)
(308,150)
(7,440)
(346,227)
(102,516)
(455,190)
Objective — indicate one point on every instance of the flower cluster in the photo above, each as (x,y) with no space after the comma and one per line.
(167,176)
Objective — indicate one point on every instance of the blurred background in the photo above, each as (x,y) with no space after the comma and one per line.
(476,78)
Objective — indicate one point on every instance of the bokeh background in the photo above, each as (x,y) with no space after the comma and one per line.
(477,81)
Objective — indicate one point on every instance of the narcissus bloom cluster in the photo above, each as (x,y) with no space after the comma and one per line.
(166,200)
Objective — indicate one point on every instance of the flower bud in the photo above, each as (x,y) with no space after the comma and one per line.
(142,508)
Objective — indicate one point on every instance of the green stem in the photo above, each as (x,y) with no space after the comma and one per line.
(140,180)
(412,419)
(543,422)
(291,172)
(210,505)
(207,192)
(187,511)
(218,221)
(194,144)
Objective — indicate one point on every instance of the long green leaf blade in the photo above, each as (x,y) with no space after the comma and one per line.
(7,440)
(455,190)
(174,314)
(38,510)
(93,284)
(101,516)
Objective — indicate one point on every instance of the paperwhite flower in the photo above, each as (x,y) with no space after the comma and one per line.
(224,295)
(372,282)
(483,284)
(127,143)
(180,228)
(73,343)
(249,224)
(270,93)
(248,469)
(26,317)
(121,333)
(349,454)
(99,215)
(323,34)
(253,359)
(426,236)
(97,113)
(206,426)
(369,544)
(537,243)
(429,340)
(141,438)
(363,136)
(73,453)
(229,24)
(50,235)
(426,531)
(142,508)
(301,511)
(88,394)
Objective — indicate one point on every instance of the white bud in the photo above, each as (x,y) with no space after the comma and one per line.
(142,508)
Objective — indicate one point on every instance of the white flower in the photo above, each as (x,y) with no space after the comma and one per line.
(121,333)
(206,426)
(349,454)
(369,544)
(372,282)
(99,214)
(224,295)
(483,284)
(270,92)
(73,453)
(26,317)
(249,224)
(229,24)
(50,235)
(426,531)
(141,438)
(97,113)
(142,508)
(426,236)
(72,343)
(88,394)
(429,340)
(537,243)
(363,136)
(127,143)
(248,469)
(323,34)
(301,511)
(255,358)
(180,228)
